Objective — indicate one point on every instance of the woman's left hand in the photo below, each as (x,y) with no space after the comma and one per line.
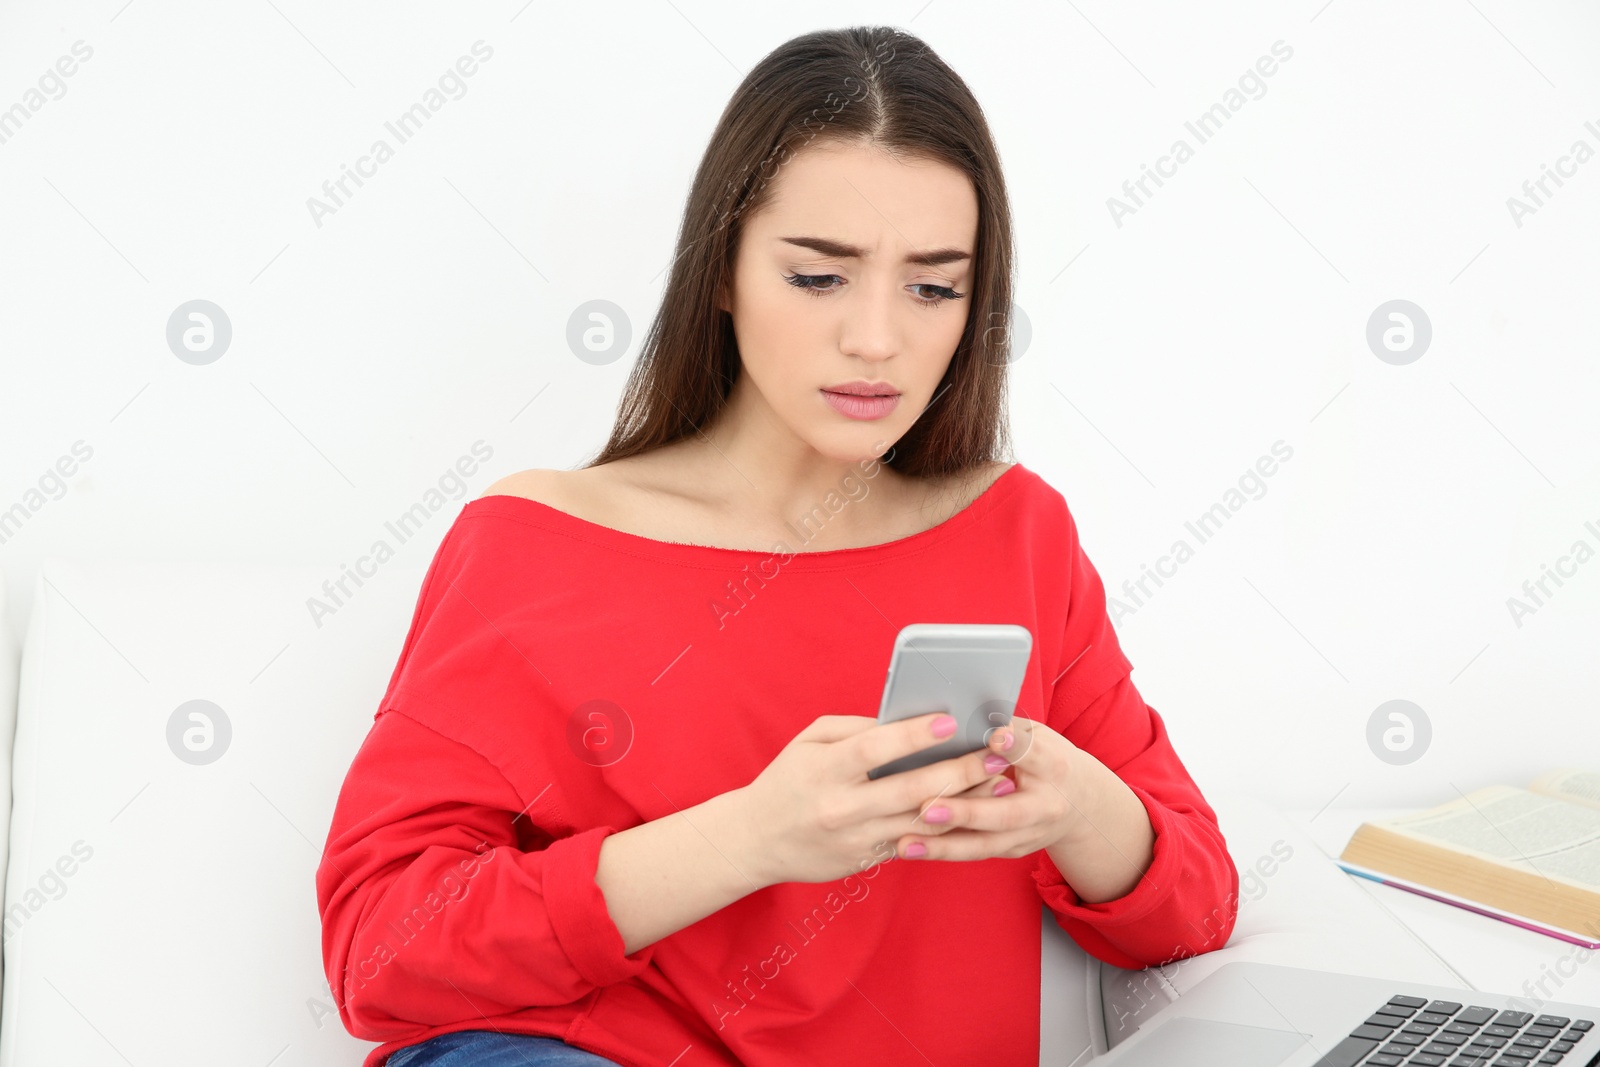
(1029,804)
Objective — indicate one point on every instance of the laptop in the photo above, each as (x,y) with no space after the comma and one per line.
(1264,1015)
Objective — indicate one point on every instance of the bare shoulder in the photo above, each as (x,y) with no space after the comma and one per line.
(940,498)
(993,470)
(545,486)
(964,488)
(592,493)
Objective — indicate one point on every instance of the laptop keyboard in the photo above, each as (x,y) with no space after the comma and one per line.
(1433,1033)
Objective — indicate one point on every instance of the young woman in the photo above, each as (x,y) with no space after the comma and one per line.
(614,807)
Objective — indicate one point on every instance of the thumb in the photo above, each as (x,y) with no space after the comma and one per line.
(1020,734)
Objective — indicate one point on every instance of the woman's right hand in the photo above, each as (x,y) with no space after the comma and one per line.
(813,815)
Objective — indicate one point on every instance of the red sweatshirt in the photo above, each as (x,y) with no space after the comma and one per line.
(562,681)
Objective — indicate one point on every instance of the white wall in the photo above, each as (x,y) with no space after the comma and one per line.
(1169,348)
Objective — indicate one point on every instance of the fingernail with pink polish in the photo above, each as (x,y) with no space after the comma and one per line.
(916,850)
(994,764)
(1004,786)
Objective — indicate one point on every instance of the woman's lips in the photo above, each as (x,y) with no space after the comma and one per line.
(861,407)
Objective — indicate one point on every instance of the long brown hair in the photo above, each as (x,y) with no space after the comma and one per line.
(870,84)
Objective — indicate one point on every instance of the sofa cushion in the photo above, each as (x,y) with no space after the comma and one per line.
(9,654)
(161,903)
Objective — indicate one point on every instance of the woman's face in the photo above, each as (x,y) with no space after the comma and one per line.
(858,269)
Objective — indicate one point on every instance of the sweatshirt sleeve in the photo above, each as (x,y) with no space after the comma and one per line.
(439,903)
(1187,902)
(445,893)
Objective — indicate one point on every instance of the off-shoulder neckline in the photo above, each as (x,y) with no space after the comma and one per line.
(525,508)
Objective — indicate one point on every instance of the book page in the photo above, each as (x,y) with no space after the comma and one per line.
(1530,831)
(1568,783)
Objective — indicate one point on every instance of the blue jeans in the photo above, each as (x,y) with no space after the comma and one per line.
(489,1048)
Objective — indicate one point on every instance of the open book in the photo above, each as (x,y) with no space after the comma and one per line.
(1526,856)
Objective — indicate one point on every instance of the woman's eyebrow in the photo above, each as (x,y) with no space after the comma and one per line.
(839,249)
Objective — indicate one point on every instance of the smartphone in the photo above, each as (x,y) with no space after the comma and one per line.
(973,671)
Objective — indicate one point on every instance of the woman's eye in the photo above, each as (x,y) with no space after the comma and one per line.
(811,284)
(941,293)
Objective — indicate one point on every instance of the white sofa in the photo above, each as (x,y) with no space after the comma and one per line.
(161,909)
